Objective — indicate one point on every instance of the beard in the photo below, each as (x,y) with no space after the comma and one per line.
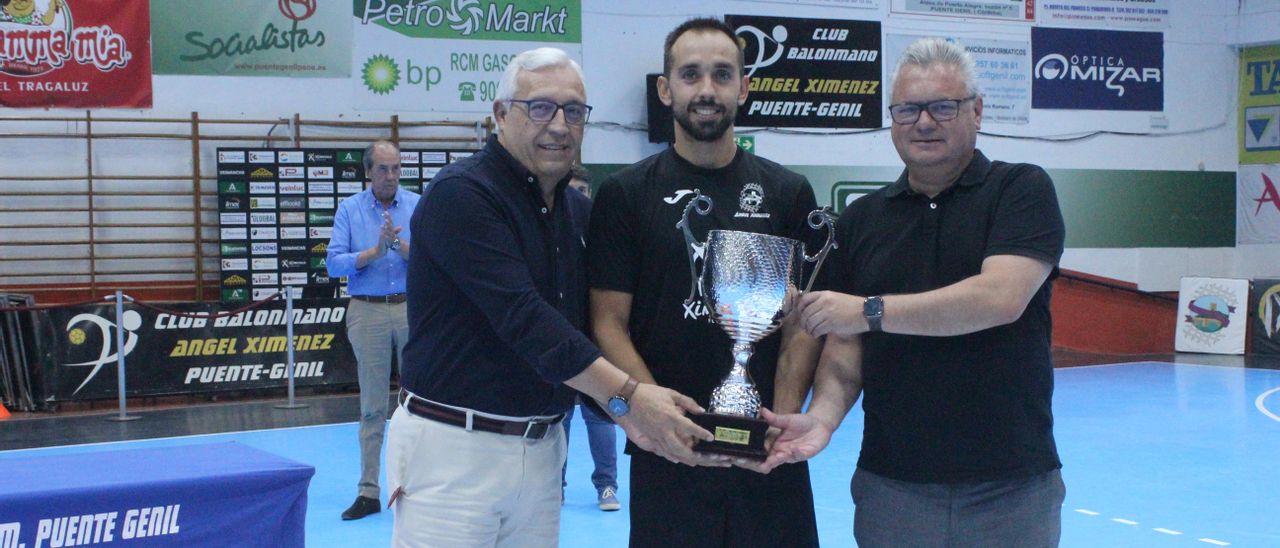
(707,131)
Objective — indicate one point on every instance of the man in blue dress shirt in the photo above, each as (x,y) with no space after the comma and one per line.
(371,248)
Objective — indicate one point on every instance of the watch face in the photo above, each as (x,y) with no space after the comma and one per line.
(618,406)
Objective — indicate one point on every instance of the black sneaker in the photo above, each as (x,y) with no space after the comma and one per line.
(363,506)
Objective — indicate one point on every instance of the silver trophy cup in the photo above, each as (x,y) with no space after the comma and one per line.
(745,281)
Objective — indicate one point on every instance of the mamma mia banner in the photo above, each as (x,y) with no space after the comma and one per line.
(1097,69)
(1258,204)
(299,38)
(810,72)
(449,56)
(170,354)
(75,53)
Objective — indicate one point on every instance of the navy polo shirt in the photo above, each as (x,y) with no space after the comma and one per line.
(497,299)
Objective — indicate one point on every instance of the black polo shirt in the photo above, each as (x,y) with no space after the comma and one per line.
(973,407)
(497,289)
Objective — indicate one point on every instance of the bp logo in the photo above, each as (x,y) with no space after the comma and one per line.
(380,74)
(1209,313)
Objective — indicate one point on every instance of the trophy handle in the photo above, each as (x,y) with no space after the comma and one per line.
(819,218)
(703,205)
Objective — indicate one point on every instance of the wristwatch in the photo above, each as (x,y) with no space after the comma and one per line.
(873,311)
(620,403)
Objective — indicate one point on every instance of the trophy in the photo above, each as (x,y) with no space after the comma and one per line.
(746,278)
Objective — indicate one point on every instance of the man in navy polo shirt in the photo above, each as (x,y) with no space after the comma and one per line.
(497,309)
(940,316)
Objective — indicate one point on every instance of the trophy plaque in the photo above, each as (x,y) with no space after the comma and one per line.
(746,279)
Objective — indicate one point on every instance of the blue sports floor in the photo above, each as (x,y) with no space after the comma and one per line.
(1155,455)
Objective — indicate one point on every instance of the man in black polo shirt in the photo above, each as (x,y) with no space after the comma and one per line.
(940,315)
(640,278)
(497,308)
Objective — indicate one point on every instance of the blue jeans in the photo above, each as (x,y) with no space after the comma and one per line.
(601,436)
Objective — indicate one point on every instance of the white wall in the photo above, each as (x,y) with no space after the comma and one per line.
(622,41)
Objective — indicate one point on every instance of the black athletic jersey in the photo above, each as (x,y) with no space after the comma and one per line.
(634,246)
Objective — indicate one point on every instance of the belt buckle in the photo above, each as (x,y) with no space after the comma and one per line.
(528,430)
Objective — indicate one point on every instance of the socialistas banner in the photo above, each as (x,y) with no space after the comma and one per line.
(75,53)
(297,38)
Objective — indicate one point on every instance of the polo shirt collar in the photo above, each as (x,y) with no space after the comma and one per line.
(973,175)
(517,170)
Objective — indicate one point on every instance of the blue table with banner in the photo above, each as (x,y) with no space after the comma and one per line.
(220,494)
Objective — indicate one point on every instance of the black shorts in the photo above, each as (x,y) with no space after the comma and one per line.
(673,505)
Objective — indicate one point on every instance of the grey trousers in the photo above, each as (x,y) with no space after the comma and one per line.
(1024,513)
(375,330)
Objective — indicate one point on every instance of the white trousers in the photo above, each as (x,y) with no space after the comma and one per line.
(472,489)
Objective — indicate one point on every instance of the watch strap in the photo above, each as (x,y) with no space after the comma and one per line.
(873,311)
(628,388)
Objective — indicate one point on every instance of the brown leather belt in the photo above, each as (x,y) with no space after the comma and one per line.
(533,430)
(394,298)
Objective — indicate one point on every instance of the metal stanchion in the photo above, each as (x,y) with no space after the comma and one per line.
(288,326)
(120,386)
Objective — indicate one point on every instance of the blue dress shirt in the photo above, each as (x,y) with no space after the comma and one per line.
(357,227)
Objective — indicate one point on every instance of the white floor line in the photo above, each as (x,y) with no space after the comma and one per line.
(1086,512)
(1166,531)
(1260,403)
(1214,542)
(1124,521)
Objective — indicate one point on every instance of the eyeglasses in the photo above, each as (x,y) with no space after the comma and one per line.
(940,110)
(543,111)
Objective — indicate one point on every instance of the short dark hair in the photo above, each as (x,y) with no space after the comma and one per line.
(701,24)
(580,173)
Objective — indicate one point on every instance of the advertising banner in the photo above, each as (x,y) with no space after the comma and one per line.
(817,73)
(75,54)
(1007,10)
(170,354)
(276,208)
(1260,105)
(1147,14)
(186,494)
(1258,204)
(867,4)
(1003,71)
(449,56)
(1212,314)
(1097,69)
(297,38)
(1265,332)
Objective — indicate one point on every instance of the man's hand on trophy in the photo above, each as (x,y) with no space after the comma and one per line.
(800,437)
(828,312)
(657,423)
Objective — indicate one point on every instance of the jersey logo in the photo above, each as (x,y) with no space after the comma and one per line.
(750,201)
(680,194)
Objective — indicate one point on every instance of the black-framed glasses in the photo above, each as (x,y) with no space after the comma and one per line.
(941,110)
(543,111)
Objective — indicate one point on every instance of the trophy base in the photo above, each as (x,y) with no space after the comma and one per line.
(735,436)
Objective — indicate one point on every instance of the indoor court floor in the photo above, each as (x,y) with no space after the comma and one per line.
(1156,454)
